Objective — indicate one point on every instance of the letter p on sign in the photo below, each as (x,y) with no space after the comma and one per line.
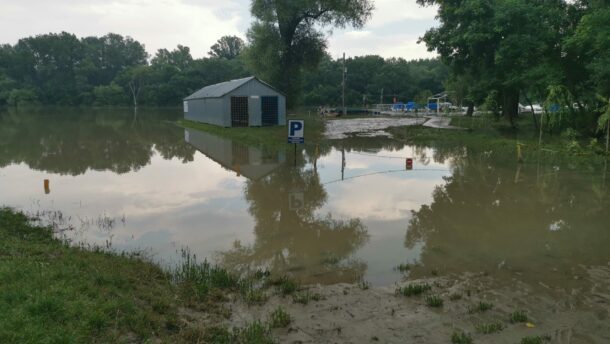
(296,129)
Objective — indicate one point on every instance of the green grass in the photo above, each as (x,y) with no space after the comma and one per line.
(50,292)
(480,307)
(461,337)
(413,289)
(267,136)
(54,293)
(518,317)
(434,301)
(279,318)
(284,285)
(489,328)
(535,339)
(497,136)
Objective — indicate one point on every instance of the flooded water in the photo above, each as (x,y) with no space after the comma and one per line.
(340,212)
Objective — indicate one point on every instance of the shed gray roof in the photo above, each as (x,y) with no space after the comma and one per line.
(219,90)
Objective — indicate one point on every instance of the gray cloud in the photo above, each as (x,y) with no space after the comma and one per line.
(393,30)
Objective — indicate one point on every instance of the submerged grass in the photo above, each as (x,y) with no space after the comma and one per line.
(268,136)
(491,134)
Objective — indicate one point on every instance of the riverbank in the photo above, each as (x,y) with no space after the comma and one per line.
(59,293)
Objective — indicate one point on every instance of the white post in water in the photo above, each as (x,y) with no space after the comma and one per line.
(343,86)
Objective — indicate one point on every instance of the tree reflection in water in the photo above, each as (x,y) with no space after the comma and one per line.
(291,237)
(540,223)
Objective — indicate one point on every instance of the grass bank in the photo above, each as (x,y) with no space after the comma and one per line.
(488,133)
(54,293)
(268,136)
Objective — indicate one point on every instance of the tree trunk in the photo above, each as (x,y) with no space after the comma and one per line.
(529,102)
(510,104)
(470,110)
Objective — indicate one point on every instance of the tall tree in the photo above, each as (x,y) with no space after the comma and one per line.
(502,44)
(286,36)
(228,47)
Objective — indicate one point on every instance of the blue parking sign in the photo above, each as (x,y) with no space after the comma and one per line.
(296,129)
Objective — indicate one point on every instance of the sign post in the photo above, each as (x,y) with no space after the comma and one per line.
(296,130)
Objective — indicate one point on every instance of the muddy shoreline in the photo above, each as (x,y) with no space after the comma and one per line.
(351,313)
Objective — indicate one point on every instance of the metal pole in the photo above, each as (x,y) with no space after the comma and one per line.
(295,155)
(608,134)
(342,162)
(343,86)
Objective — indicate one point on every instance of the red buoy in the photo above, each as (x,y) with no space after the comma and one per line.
(409,164)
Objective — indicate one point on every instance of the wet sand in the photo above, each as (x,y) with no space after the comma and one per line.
(348,314)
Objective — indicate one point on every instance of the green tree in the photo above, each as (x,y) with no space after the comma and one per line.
(228,47)
(286,36)
(495,42)
(133,80)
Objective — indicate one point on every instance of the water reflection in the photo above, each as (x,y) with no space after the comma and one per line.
(70,141)
(253,163)
(289,237)
(346,210)
(541,223)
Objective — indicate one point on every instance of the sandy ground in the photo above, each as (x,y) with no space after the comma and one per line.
(349,314)
(340,128)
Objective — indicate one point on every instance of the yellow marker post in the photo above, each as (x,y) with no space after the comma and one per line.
(47,188)
(519,153)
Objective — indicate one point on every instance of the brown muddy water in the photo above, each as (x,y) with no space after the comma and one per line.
(345,211)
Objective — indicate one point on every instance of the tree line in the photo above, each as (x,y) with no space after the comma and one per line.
(503,52)
(62,69)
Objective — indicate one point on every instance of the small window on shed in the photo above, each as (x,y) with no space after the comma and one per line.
(186,106)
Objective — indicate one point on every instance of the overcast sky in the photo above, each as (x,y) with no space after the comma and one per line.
(392,32)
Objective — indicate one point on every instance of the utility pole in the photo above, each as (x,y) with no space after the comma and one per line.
(381,97)
(343,84)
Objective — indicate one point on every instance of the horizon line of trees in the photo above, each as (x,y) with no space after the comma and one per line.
(61,69)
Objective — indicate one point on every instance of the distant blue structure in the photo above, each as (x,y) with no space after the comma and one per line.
(432,106)
(398,106)
(554,108)
(410,106)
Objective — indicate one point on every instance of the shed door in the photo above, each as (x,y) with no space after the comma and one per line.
(269,110)
(239,111)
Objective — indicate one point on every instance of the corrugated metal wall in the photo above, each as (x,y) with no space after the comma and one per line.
(217,111)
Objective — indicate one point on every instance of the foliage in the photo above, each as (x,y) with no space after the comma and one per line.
(228,47)
(490,45)
(286,37)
